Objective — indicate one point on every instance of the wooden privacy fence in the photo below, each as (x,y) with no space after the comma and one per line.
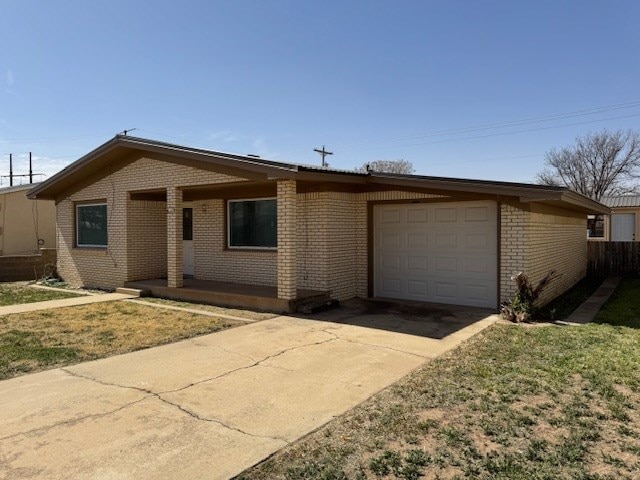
(613,258)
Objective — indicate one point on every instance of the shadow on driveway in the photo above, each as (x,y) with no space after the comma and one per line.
(432,320)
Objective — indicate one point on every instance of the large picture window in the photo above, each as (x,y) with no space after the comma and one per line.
(91,225)
(253,223)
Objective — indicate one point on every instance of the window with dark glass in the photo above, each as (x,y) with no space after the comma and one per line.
(187,224)
(595,226)
(91,225)
(253,223)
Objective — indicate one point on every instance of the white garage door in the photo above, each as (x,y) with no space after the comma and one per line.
(437,252)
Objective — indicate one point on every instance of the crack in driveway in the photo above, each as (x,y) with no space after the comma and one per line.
(375,345)
(159,395)
(152,394)
(74,420)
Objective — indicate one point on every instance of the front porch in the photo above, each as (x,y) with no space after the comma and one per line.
(228,294)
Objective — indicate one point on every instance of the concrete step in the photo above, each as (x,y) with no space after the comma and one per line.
(316,304)
(133,292)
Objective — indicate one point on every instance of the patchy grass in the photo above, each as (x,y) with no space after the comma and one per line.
(513,403)
(564,305)
(34,341)
(14,293)
(234,312)
(623,308)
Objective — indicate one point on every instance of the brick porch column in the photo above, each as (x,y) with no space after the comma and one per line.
(287,262)
(174,237)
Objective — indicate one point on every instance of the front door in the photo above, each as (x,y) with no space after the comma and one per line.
(187,242)
(623,227)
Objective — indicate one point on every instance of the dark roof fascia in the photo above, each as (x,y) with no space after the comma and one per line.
(73,168)
(525,192)
(468,185)
(280,170)
(266,167)
(580,201)
(249,161)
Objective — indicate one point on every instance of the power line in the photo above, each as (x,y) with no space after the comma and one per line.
(508,133)
(49,139)
(486,160)
(489,126)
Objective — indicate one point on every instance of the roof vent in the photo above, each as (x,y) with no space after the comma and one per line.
(253,155)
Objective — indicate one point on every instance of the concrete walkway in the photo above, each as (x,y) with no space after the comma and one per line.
(205,408)
(586,312)
(63,302)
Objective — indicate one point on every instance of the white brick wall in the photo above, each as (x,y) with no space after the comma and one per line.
(329,231)
(541,240)
(111,267)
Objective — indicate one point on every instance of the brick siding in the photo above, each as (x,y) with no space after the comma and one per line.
(538,240)
(322,236)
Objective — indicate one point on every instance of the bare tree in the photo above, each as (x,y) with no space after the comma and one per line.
(404,167)
(599,164)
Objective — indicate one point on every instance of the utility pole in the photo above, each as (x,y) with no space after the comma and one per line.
(12,175)
(323,153)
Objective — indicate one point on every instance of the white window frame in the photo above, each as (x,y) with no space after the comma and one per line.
(238,200)
(84,245)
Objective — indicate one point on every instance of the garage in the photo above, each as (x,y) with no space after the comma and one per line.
(437,252)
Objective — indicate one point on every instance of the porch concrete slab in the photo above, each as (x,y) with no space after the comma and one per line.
(230,294)
(63,302)
(208,407)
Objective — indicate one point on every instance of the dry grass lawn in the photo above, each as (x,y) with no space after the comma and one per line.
(514,403)
(35,341)
(20,292)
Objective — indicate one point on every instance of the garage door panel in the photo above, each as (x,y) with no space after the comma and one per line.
(447,214)
(445,291)
(446,240)
(417,240)
(474,241)
(391,286)
(482,265)
(417,264)
(477,214)
(437,252)
(476,291)
(390,240)
(390,216)
(391,263)
(417,214)
(445,264)
(417,287)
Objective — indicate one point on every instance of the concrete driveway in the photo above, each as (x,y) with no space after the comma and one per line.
(212,406)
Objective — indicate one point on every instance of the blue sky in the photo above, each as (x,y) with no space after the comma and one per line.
(368,79)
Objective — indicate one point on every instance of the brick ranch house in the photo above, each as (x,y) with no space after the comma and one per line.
(239,230)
